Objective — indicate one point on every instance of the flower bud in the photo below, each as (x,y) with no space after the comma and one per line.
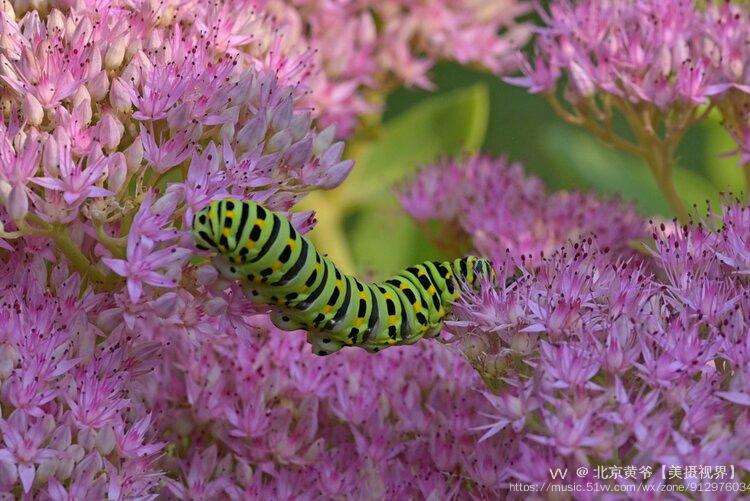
(56,22)
(18,203)
(82,105)
(9,357)
(86,439)
(110,132)
(44,471)
(116,53)
(50,156)
(118,172)
(32,109)
(252,133)
(178,117)
(62,138)
(5,188)
(324,140)
(243,472)
(206,274)
(132,48)
(19,140)
(99,86)
(64,468)
(76,451)
(522,342)
(109,319)
(165,305)
(227,132)
(581,80)
(473,347)
(279,141)
(7,7)
(105,441)
(8,474)
(95,62)
(335,175)
(134,155)
(215,306)
(154,41)
(299,125)
(119,97)
(494,365)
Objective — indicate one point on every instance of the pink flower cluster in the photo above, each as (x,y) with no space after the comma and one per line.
(128,369)
(367,46)
(594,355)
(195,405)
(494,206)
(669,54)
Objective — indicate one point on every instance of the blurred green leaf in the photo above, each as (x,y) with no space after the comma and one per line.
(724,171)
(445,124)
(611,172)
(383,238)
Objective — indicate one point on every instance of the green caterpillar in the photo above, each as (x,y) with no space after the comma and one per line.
(280,267)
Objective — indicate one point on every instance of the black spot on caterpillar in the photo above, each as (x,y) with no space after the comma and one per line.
(278,266)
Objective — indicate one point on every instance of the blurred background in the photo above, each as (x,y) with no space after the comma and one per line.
(474,111)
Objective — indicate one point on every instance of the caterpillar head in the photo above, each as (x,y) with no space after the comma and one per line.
(212,226)
(474,270)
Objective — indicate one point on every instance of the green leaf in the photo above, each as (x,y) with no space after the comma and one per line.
(611,172)
(383,237)
(445,124)
(724,171)
(384,240)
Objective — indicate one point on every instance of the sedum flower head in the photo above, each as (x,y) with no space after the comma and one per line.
(493,205)
(591,352)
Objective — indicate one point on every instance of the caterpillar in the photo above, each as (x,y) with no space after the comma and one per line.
(305,290)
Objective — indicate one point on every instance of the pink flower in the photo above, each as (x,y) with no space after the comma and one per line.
(76,182)
(142,264)
(130,444)
(24,445)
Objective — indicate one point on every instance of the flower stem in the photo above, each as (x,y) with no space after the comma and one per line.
(660,159)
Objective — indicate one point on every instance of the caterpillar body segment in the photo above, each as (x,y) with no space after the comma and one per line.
(279,267)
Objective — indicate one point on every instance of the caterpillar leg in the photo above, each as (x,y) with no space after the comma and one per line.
(321,345)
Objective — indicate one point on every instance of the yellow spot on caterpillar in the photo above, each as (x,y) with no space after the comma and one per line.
(387,295)
(362,295)
(229,213)
(349,342)
(338,284)
(277,265)
(292,243)
(227,232)
(417,307)
(391,319)
(391,341)
(260,223)
(358,322)
(431,289)
(327,309)
(403,286)
(250,244)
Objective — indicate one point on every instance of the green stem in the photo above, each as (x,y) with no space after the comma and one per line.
(660,160)
(113,245)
